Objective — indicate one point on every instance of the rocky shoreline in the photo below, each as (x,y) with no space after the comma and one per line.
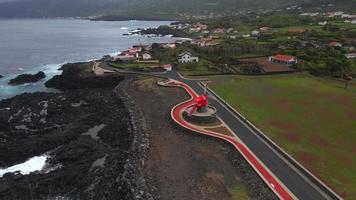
(27,78)
(97,141)
(134,167)
(93,137)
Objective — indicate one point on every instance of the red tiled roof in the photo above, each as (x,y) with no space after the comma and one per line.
(284,58)
(167,65)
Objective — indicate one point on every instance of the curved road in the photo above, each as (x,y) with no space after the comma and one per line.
(296,182)
(277,187)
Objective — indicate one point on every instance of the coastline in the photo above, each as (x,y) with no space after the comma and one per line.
(50,69)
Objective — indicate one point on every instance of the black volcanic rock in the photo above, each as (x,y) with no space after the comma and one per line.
(1,76)
(72,78)
(90,135)
(86,141)
(27,78)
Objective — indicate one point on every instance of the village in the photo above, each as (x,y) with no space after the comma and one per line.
(140,58)
(272,43)
(257,45)
(282,70)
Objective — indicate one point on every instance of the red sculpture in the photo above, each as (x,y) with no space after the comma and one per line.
(201,102)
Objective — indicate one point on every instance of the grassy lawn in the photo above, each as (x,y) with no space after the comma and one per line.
(133,65)
(196,69)
(314,119)
(305,27)
(87,69)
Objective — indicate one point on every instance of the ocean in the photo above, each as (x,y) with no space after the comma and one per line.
(32,45)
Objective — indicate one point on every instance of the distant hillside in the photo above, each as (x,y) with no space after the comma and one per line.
(163,9)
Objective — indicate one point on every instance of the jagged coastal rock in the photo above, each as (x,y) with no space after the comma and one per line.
(27,78)
(89,136)
(1,76)
(75,77)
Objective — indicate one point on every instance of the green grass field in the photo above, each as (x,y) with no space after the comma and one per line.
(313,119)
(196,69)
(133,65)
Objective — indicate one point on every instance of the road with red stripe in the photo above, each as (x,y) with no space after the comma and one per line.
(280,190)
(281,175)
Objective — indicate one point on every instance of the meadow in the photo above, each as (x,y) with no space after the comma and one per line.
(313,119)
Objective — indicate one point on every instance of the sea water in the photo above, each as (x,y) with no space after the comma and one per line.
(32,45)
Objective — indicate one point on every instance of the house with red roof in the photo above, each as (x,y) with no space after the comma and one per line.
(283,59)
(335,44)
(168,67)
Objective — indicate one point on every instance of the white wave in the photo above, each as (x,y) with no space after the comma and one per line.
(124,28)
(34,164)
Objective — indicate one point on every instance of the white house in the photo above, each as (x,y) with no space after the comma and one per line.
(350,55)
(255,33)
(353,21)
(323,23)
(146,56)
(187,57)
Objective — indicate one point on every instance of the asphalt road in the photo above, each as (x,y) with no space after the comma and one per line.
(295,181)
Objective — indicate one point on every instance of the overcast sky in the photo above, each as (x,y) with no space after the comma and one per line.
(1,1)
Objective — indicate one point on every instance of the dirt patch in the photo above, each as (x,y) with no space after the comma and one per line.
(221,129)
(293,137)
(308,159)
(320,141)
(270,67)
(216,123)
(352,114)
(343,100)
(183,165)
(285,126)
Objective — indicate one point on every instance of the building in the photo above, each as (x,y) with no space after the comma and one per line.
(135,50)
(200,26)
(264,28)
(168,67)
(194,30)
(283,59)
(335,44)
(126,56)
(323,23)
(168,45)
(255,33)
(311,14)
(350,55)
(187,57)
(146,56)
(219,30)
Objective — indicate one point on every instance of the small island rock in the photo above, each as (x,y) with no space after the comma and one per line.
(27,78)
